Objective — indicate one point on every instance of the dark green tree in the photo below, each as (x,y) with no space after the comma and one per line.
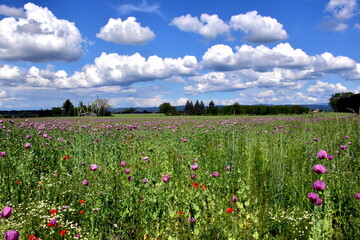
(189,107)
(68,108)
(212,109)
(334,100)
(167,109)
(202,109)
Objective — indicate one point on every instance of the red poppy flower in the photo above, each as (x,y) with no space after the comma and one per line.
(17,182)
(229,210)
(81,212)
(62,233)
(32,237)
(81,201)
(180,212)
(203,187)
(195,184)
(53,211)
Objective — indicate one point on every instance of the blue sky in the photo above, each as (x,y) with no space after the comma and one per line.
(147,52)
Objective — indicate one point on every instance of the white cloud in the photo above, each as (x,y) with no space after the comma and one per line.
(2,94)
(143,7)
(222,57)
(39,36)
(209,26)
(125,32)
(322,87)
(258,29)
(11,11)
(353,74)
(8,73)
(267,93)
(326,62)
(342,9)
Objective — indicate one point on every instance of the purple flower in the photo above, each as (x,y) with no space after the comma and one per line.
(316,139)
(145,180)
(28,137)
(219,146)
(319,185)
(6,212)
(85,182)
(346,137)
(234,199)
(215,174)
(330,157)
(123,163)
(342,147)
(357,195)
(64,207)
(228,167)
(319,202)
(130,178)
(2,154)
(94,167)
(313,197)
(322,154)
(184,140)
(192,176)
(192,220)
(319,168)
(52,222)
(27,145)
(194,167)
(165,178)
(12,235)
(167,175)
(127,171)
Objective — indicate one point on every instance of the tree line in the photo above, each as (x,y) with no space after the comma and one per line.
(199,108)
(345,102)
(97,108)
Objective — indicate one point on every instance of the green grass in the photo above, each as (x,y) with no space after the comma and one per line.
(270,174)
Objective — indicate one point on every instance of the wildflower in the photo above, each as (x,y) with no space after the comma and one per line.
(228,167)
(330,157)
(316,139)
(12,235)
(17,182)
(127,171)
(2,154)
(145,180)
(94,167)
(313,197)
(219,146)
(165,179)
(319,202)
(234,199)
(130,178)
(78,235)
(194,167)
(229,210)
(67,157)
(203,187)
(215,174)
(81,212)
(319,185)
(63,232)
(357,195)
(27,145)
(123,163)
(81,201)
(195,184)
(322,154)
(31,237)
(63,208)
(52,223)
(319,168)
(346,137)
(6,212)
(28,137)
(192,176)
(180,212)
(342,147)
(192,220)
(184,140)
(85,182)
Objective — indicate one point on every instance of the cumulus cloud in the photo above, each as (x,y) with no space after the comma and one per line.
(125,32)
(9,73)
(208,26)
(11,11)
(322,87)
(38,36)
(340,11)
(258,29)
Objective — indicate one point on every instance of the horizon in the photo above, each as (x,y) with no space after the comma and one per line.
(147,52)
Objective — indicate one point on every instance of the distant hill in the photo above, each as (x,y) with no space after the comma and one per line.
(320,106)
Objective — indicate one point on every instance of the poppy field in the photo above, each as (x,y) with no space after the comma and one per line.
(283,177)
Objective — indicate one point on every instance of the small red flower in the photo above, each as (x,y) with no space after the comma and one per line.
(195,184)
(17,182)
(81,211)
(229,210)
(203,187)
(81,201)
(53,211)
(180,212)
(62,233)
(32,237)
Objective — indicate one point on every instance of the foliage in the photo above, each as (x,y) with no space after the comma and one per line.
(237,109)
(345,102)
(167,109)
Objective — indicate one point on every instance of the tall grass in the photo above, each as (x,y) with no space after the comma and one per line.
(265,163)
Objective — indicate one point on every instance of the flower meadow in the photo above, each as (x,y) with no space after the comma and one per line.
(284,177)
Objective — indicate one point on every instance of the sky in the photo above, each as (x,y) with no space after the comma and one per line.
(142,53)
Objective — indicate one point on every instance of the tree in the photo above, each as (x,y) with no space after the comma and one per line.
(167,109)
(68,108)
(100,106)
(334,100)
(196,108)
(202,109)
(129,110)
(81,108)
(189,107)
(212,109)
